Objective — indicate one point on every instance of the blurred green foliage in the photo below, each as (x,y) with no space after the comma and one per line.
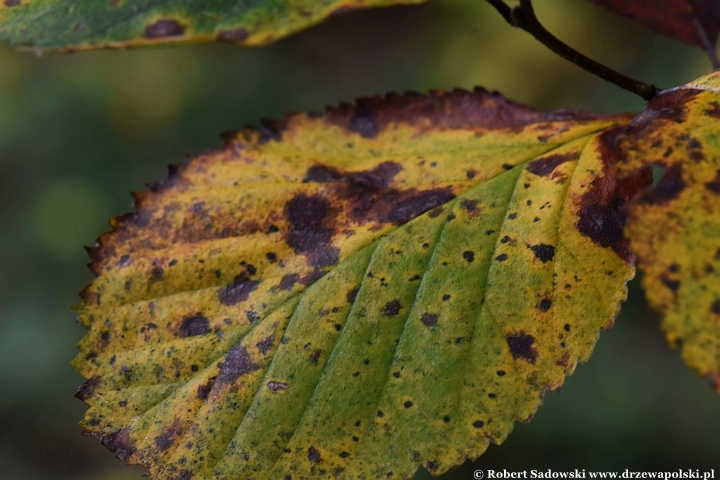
(78,132)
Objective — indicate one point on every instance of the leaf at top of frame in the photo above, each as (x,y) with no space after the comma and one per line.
(353,295)
(692,21)
(674,227)
(75,25)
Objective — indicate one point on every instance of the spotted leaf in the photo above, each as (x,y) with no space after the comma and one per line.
(352,295)
(675,225)
(72,25)
(692,21)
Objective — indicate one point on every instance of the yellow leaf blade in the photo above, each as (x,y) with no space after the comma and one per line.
(390,285)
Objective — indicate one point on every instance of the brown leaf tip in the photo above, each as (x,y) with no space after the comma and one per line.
(87,389)
(194,325)
(120,444)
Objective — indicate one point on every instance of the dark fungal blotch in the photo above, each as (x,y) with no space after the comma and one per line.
(478,424)
(469,256)
(238,291)
(429,319)
(164,28)
(715,307)
(543,252)
(194,325)
(237,363)
(11,3)
(545,166)
(521,346)
(352,295)
(168,436)
(392,307)
(203,391)
(502,257)
(673,285)
(266,344)
(714,184)
(310,234)
(313,455)
(288,281)
(544,305)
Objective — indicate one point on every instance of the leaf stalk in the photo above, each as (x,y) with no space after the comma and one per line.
(523,17)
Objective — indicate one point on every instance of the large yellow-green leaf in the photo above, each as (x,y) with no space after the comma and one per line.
(72,25)
(390,285)
(675,226)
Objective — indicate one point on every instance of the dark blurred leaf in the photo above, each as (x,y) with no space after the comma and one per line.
(72,25)
(687,20)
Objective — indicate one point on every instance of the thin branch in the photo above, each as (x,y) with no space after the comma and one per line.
(523,17)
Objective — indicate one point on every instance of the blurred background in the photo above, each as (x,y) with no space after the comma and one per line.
(78,132)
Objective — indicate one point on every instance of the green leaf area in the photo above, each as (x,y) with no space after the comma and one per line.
(73,25)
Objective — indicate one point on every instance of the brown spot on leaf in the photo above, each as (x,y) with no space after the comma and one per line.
(310,234)
(416,203)
(469,256)
(429,319)
(266,344)
(543,252)
(168,436)
(313,455)
(546,165)
(713,110)
(714,184)
(237,363)
(352,295)
(320,173)
(668,188)
(11,3)
(470,206)
(238,291)
(237,35)
(87,389)
(392,308)
(673,285)
(194,325)
(277,386)
(544,304)
(288,281)
(203,391)
(521,346)
(164,28)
